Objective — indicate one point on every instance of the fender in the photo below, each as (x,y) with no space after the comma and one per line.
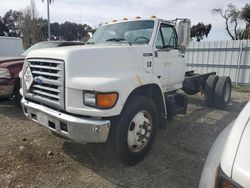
(124,83)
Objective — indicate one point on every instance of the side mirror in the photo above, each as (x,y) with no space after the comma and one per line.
(183,30)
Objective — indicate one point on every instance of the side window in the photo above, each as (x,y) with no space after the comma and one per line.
(167,37)
(159,42)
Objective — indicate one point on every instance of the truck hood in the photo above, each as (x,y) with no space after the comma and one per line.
(236,154)
(103,68)
(96,60)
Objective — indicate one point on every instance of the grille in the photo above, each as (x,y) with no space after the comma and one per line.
(48,84)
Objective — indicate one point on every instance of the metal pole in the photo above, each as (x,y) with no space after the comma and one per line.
(48,2)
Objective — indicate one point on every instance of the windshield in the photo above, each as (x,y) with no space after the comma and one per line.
(135,32)
(39,46)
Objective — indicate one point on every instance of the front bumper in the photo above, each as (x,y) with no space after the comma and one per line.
(6,88)
(78,129)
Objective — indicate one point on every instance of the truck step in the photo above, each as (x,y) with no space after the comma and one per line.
(176,104)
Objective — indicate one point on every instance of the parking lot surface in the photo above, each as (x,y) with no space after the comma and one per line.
(30,156)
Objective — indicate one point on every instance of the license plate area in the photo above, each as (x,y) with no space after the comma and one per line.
(42,119)
(49,122)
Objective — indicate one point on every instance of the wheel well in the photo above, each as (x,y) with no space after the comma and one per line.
(152,91)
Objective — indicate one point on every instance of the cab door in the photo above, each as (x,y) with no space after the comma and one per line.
(168,60)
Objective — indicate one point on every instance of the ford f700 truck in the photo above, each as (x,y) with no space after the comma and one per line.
(119,88)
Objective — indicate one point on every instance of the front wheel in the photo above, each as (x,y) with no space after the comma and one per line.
(133,133)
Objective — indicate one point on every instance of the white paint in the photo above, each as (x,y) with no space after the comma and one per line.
(226,60)
(241,167)
(115,67)
(231,152)
(213,159)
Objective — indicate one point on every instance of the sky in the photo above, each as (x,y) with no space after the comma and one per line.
(94,12)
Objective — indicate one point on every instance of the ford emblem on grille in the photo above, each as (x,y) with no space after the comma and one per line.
(38,80)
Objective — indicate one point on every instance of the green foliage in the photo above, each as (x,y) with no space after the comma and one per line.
(245,13)
(12,20)
(200,30)
(242,88)
(32,29)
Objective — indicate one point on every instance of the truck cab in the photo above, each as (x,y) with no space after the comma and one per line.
(159,39)
(119,88)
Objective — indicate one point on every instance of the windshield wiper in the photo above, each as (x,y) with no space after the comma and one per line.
(116,39)
(119,40)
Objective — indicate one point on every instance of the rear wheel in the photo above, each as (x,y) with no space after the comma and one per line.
(223,92)
(133,133)
(210,89)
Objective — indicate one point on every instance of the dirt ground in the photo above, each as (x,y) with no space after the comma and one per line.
(30,156)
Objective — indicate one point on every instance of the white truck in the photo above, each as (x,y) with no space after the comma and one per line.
(119,88)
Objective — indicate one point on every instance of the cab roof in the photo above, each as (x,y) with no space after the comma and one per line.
(171,22)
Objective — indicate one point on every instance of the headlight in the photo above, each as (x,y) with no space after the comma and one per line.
(89,99)
(223,181)
(100,100)
(4,73)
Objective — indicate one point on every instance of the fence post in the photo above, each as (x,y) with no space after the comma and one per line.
(238,63)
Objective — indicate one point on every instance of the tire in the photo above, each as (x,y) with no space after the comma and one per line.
(223,92)
(210,90)
(137,109)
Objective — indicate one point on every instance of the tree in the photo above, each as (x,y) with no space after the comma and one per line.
(69,31)
(232,18)
(12,20)
(200,30)
(3,28)
(245,15)
(31,26)
(26,24)
(83,32)
(55,31)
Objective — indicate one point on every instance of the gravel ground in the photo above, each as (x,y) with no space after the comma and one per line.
(30,156)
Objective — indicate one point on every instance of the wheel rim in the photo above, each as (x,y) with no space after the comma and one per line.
(139,131)
(227,92)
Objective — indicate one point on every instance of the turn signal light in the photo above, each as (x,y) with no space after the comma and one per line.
(106,100)
(226,184)
(222,180)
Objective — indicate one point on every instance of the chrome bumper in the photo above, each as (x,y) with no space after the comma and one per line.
(78,129)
